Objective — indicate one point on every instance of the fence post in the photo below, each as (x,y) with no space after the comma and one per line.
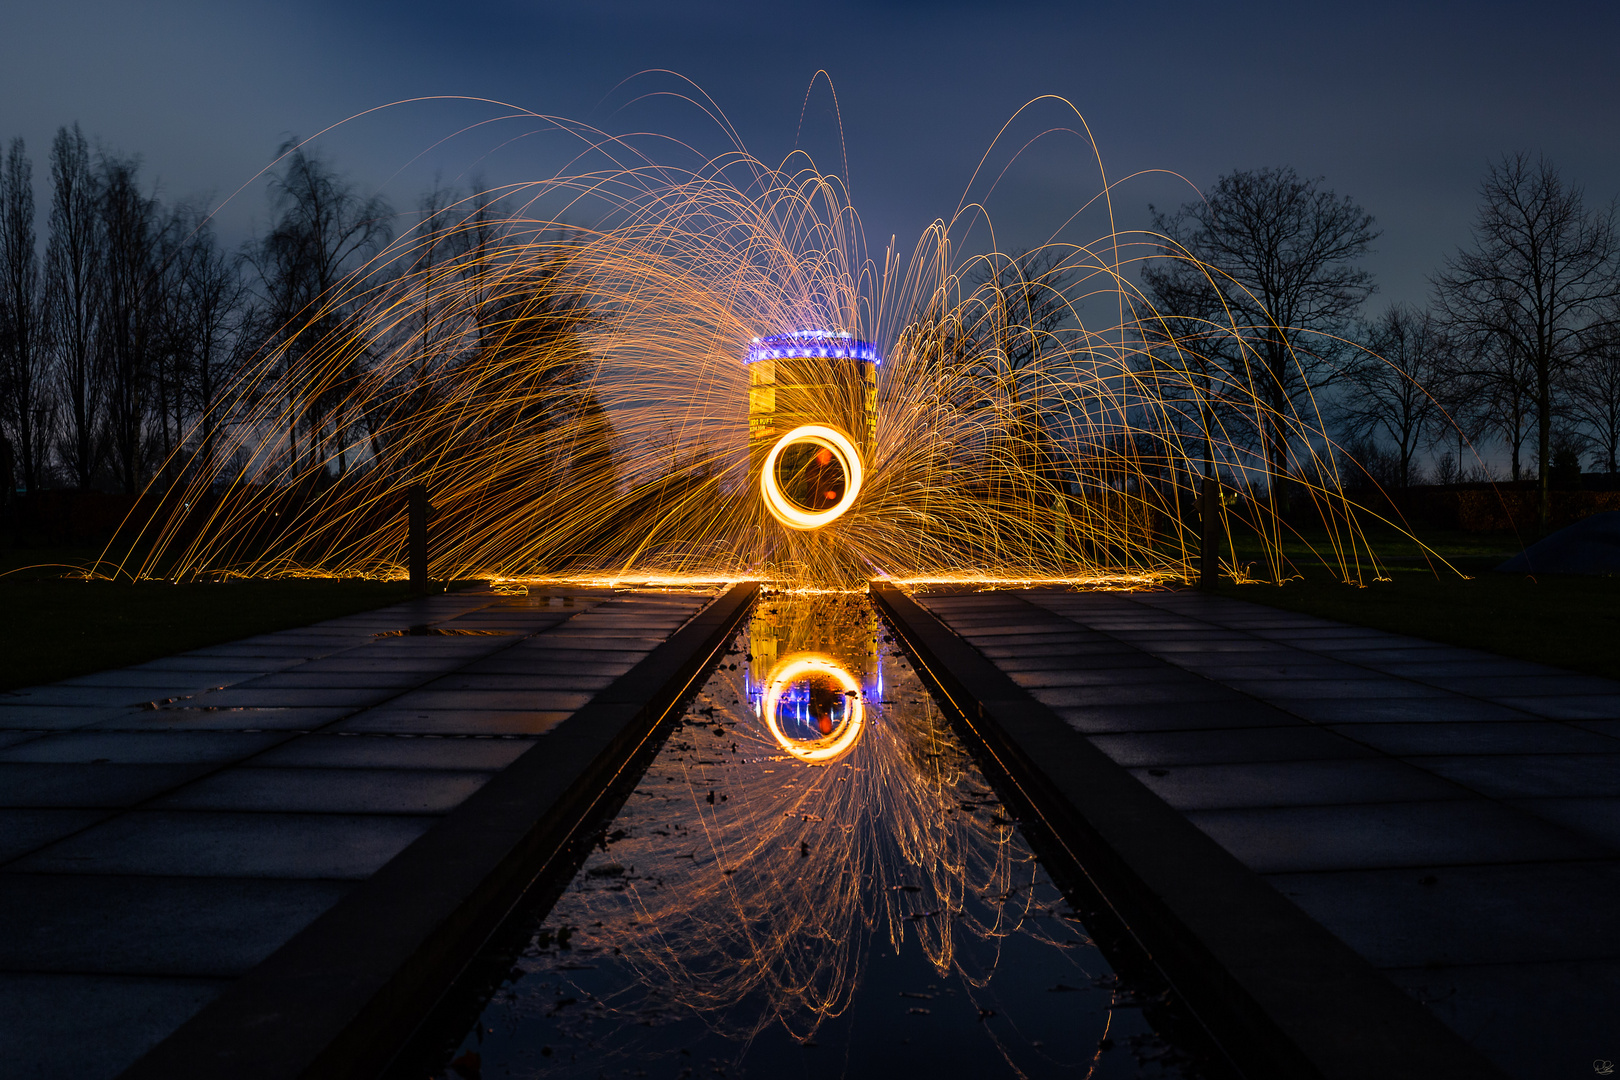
(417,502)
(1209,546)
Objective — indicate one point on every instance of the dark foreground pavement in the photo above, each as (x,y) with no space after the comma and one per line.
(265,858)
(1361,854)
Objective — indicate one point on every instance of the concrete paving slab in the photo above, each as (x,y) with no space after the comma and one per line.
(328,790)
(1495,666)
(213,927)
(207,844)
(89,697)
(1431,916)
(349,697)
(434,649)
(300,679)
(983,632)
(187,718)
(1139,675)
(1374,835)
(1533,775)
(1183,716)
(23,831)
(362,661)
(483,681)
(538,650)
(389,752)
(158,683)
(212,665)
(1337,690)
(54,716)
(456,721)
(1081,652)
(1285,960)
(1189,693)
(290,653)
(1114,658)
(55,784)
(1497,737)
(44,1019)
(1490,1005)
(530,664)
(1572,707)
(381,773)
(1294,783)
(1226,668)
(1014,641)
(1409,710)
(1388,646)
(1226,745)
(1503,686)
(1216,645)
(1597,819)
(143,748)
(473,701)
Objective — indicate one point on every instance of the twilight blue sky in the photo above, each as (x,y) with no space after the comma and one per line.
(1398,105)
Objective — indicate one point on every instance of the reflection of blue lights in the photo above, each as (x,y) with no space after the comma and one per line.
(826,344)
(794,717)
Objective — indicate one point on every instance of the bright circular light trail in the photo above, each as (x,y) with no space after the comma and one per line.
(787,511)
(804,665)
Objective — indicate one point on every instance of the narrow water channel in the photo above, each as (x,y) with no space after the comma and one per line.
(812,879)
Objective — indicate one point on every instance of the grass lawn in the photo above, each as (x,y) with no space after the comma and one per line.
(59,627)
(1571,622)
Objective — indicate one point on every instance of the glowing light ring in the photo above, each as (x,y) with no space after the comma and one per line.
(819,751)
(826,344)
(784,509)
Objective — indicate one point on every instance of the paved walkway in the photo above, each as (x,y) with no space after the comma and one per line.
(1452,815)
(164,828)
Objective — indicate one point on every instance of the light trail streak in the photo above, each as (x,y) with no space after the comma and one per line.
(799,669)
(564,365)
(783,508)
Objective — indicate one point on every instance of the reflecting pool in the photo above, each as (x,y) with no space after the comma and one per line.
(813,878)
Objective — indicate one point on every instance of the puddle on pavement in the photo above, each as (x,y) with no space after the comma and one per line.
(813,878)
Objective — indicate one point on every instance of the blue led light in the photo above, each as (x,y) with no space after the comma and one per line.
(827,344)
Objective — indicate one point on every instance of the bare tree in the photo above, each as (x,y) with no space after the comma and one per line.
(1471,410)
(210,322)
(1533,293)
(72,276)
(133,255)
(28,412)
(1594,398)
(1258,281)
(322,233)
(1387,392)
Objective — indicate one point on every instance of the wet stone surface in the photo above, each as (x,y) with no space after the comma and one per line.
(840,893)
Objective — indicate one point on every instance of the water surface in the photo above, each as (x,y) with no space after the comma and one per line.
(812,879)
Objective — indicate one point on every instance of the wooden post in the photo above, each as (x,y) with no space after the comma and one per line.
(417,501)
(1209,515)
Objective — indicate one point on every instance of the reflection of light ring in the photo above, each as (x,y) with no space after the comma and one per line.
(815,751)
(786,510)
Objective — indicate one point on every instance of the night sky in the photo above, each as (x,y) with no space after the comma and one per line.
(1400,106)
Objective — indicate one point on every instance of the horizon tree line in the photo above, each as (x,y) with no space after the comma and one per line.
(1256,297)
(119,341)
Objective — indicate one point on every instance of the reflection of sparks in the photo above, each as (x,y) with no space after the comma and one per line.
(843,738)
(785,509)
(892,853)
